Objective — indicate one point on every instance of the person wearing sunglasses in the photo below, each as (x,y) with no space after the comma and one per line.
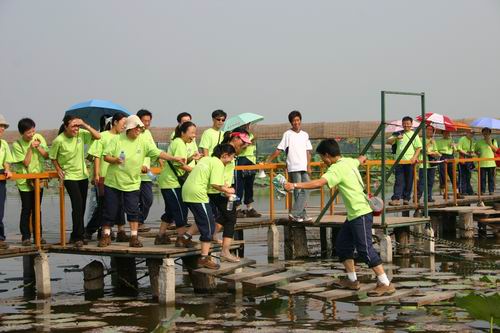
(214,135)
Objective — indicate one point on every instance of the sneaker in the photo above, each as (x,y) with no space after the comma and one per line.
(206,262)
(104,241)
(382,290)
(143,228)
(87,236)
(460,196)
(183,242)
(78,244)
(295,218)
(431,200)
(134,242)
(394,203)
(162,239)
(307,219)
(122,237)
(348,284)
(491,193)
(3,245)
(241,214)
(26,242)
(406,202)
(253,213)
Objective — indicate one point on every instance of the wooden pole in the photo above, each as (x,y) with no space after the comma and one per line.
(38,243)
(322,190)
(271,194)
(62,221)
(415,199)
(479,181)
(332,206)
(445,193)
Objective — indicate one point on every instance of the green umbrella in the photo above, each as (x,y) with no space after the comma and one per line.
(240,120)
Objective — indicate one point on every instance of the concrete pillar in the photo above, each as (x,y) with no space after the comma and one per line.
(403,238)
(166,282)
(154,273)
(466,225)
(273,242)
(93,277)
(429,244)
(42,275)
(385,247)
(295,242)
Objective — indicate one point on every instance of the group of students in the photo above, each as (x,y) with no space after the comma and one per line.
(440,150)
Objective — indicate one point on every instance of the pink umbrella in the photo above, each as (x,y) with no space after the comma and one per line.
(396,126)
(439,121)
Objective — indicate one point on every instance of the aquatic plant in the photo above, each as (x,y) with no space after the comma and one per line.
(481,307)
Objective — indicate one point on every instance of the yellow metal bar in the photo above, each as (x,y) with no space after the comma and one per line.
(38,243)
(454,184)
(368,184)
(271,194)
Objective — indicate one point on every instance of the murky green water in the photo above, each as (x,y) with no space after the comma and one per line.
(264,310)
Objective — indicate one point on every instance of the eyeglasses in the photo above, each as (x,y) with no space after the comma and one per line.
(221,119)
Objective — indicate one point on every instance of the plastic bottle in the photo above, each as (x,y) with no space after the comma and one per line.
(230,201)
(122,158)
(151,175)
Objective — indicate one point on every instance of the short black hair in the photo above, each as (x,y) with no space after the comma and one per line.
(328,146)
(182,129)
(25,124)
(292,115)
(182,115)
(486,129)
(143,112)
(407,118)
(223,148)
(219,113)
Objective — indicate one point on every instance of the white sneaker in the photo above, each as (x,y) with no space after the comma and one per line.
(307,218)
(295,218)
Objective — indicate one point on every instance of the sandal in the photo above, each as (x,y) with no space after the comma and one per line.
(231,259)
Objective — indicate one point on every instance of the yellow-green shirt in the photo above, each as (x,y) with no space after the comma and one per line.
(400,144)
(210,139)
(97,150)
(37,163)
(147,136)
(431,147)
(345,175)
(484,151)
(228,176)
(445,146)
(466,144)
(167,177)
(192,148)
(127,176)
(249,151)
(70,154)
(208,171)
(5,155)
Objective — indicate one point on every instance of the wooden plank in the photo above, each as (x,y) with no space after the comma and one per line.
(253,273)
(490,220)
(226,267)
(397,295)
(331,295)
(274,279)
(298,287)
(428,298)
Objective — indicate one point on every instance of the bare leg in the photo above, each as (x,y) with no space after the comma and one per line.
(226,246)
(163,228)
(349,266)
(134,226)
(205,248)
(379,270)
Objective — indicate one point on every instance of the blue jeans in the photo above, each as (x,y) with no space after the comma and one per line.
(244,182)
(445,168)
(464,177)
(300,196)
(431,174)
(404,182)
(357,235)
(3,196)
(490,174)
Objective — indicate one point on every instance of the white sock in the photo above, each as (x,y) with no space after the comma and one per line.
(107,232)
(352,276)
(133,232)
(382,278)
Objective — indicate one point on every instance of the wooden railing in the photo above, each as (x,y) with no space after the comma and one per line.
(271,168)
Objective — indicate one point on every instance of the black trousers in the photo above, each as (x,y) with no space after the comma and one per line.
(77,191)
(28,214)
(244,182)
(224,217)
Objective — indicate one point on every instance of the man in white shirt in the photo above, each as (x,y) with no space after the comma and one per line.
(297,146)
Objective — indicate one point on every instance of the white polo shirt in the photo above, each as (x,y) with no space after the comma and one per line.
(295,145)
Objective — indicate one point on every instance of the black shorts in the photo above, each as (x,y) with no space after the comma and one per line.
(116,201)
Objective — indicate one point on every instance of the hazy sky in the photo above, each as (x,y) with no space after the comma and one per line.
(329,59)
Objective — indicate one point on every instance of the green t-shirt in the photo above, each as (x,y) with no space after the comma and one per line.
(167,177)
(466,144)
(400,144)
(208,171)
(192,148)
(431,147)
(484,151)
(70,154)
(5,155)
(147,136)
(37,164)
(210,139)
(445,146)
(345,175)
(97,150)
(249,151)
(228,176)
(127,176)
